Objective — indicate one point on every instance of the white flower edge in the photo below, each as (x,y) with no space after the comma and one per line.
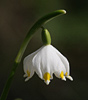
(46,61)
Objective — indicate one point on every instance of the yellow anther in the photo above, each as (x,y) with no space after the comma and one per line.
(62,74)
(66,74)
(28,73)
(46,76)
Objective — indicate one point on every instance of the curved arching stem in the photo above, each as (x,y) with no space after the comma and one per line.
(30,34)
(34,28)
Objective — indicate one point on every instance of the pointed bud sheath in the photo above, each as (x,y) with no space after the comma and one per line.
(46,38)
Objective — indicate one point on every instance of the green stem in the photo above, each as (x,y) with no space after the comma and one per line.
(31,32)
(46,38)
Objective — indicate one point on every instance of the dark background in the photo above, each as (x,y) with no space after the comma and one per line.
(69,35)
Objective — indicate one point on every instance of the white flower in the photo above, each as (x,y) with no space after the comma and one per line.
(46,61)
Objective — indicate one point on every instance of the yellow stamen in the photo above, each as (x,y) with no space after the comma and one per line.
(62,74)
(66,74)
(46,76)
(28,73)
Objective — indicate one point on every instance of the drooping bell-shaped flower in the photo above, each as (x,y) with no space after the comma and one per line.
(47,61)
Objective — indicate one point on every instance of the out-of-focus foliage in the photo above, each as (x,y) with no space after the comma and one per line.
(18,99)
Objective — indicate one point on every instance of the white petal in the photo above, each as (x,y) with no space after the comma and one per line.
(59,75)
(25,75)
(41,62)
(47,60)
(70,78)
(47,82)
(63,59)
(27,79)
(64,78)
(37,66)
(28,64)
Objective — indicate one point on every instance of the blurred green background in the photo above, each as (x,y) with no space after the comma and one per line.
(69,35)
